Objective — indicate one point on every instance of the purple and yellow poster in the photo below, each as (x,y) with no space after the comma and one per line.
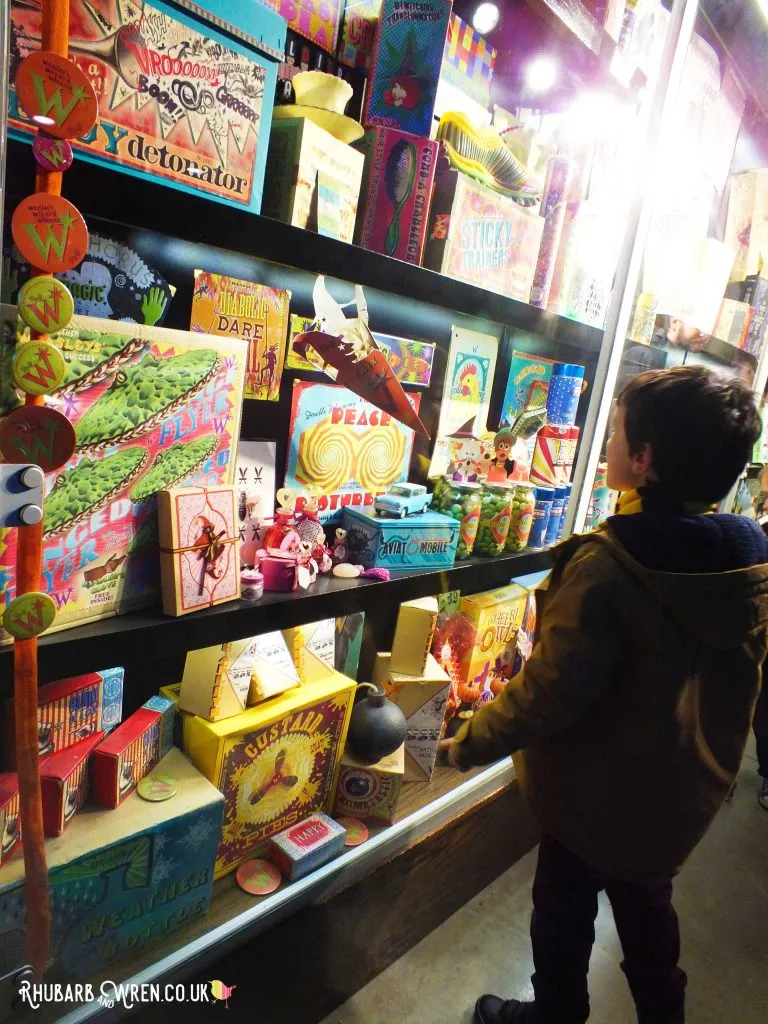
(344,447)
(316,20)
(254,312)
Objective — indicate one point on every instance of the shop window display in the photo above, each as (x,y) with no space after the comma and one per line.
(253,413)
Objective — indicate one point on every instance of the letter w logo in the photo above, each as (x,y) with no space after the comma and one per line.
(38,443)
(54,102)
(32,622)
(49,240)
(42,373)
(46,310)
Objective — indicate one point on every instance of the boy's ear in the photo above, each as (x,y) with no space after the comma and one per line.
(642,464)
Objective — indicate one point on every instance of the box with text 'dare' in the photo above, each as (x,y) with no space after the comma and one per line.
(275,762)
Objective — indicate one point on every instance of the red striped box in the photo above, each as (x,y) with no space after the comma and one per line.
(132,751)
(10,818)
(71,709)
(65,783)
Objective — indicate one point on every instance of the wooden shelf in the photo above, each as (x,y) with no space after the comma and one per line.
(235,918)
(111,195)
(140,638)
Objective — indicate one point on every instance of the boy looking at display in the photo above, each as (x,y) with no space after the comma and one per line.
(629,721)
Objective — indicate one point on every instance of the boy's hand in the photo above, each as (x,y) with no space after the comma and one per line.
(446,747)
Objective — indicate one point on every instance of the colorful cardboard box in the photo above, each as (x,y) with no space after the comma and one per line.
(199,558)
(370,792)
(299,150)
(313,649)
(733,322)
(120,880)
(10,816)
(65,782)
(395,193)
(302,848)
(132,751)
(256,313)
(407,57)
(411,361)
(496,618)
(468,61)
(414,630)
(349,642)
(316,20)
(152,408)
(344,447)
(71,709)
(220,681)
(359,33)
(275,763)
(481,237)
(424,541)
(184,98)
(755,293)
(527,385)
(423,699)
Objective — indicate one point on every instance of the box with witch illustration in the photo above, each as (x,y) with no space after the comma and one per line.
(185,90)
(152,408)
(120,879)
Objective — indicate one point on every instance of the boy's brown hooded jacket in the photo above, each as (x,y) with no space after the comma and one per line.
(630,719)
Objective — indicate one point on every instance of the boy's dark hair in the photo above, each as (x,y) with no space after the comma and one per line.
(701,429)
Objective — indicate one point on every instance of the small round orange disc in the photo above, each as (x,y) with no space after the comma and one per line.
(37,434)
(357,832)
(57,95)
(49,232)
(258,877)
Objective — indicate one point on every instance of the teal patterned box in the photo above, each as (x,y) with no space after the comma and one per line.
(427,540)
(120,879)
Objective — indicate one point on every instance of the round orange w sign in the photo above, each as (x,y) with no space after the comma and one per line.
(56,95)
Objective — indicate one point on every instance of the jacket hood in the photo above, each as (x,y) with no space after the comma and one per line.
(719,607)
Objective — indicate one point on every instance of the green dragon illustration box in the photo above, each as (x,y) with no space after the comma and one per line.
(152,408)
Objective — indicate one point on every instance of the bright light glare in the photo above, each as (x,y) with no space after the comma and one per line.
(486,18)
(596,114)
(763,5)
(541,74)
(41,119)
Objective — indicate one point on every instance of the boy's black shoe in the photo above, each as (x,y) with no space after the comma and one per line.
(493,1010)
(762,796)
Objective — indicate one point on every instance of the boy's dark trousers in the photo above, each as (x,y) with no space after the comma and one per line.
(760,724)
(563,931)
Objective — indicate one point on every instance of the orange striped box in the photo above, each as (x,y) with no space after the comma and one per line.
(10,818)
(132,751)
(65,783)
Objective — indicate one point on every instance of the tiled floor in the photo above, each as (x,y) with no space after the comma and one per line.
(722,900)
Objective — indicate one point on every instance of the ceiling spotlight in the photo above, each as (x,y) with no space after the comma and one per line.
(541,74)
(486,18)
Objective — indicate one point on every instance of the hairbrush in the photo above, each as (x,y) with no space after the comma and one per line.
(399,176)
(482,154)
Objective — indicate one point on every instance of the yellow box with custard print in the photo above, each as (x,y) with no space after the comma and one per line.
(275,763)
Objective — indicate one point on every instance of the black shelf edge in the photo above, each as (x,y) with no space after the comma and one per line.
(114,196)
(578,20)
(148,634)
